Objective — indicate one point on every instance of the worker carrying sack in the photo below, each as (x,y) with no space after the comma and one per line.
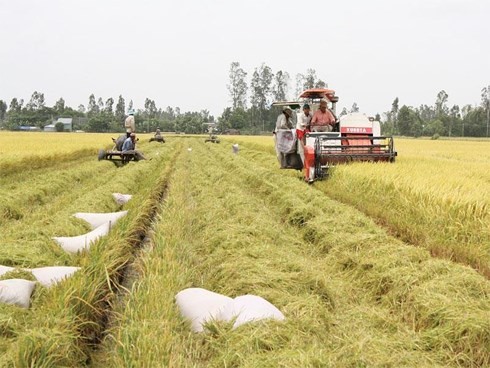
(286,140)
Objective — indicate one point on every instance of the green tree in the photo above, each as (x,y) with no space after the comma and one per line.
(36,102)
(310,79)
(454,118)
(3,110)
(59,106)
(93,108)
(237,86)
(15,105)
(109,106)
(300,82)
(169,113)
(120,108)
(150,109)
(485,102)
(474,122)
(98,123)
(405,120)
(434,127)
(280,86)
(394,114)
(100,104)
(59,126)
(261,86)
(441,104)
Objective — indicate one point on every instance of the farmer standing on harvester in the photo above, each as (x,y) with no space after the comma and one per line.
(129,124)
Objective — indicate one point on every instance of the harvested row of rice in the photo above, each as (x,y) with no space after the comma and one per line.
(65,321)
(223,228)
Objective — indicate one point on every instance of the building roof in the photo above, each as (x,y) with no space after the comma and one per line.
(64,120)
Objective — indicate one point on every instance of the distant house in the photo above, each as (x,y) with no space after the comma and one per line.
(67,125)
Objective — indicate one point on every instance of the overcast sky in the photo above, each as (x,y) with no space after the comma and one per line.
(178,53)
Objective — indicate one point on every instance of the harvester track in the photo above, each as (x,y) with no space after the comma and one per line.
(140,240)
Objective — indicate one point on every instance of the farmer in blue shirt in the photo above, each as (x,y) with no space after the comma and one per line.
(128,144)
(129,147)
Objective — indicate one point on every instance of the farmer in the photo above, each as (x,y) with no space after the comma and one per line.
(129,147)
(158,133)
(303,127)
(284,120)
(284,136)
(323,119)
(129,123)
(129,143)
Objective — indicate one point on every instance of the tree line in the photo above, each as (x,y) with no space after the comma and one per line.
(100,116)
(251,109)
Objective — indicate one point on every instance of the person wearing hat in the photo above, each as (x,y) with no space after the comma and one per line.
(302,127)
(284,122)
(323,119)
(129,123)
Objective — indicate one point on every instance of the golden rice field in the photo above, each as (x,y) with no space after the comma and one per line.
(381,265)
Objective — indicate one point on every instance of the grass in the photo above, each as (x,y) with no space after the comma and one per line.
(434,196)
(65,321)
(352,295)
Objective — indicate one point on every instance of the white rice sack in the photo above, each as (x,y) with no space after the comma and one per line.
(17,292)
(121,198)
(97,219)
(200,305)
(249,308)
(5,269)
(74,244)
(48,276)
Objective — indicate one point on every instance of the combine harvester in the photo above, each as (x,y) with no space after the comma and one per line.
(355,137)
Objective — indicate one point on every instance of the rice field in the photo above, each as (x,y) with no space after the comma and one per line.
(378,266)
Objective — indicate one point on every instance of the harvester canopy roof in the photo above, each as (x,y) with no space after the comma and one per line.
(319,93)
(292,104)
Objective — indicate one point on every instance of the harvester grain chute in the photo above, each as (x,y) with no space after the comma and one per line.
(355,137)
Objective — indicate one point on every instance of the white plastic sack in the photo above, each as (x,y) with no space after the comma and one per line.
(97,219)
(5,269)
(200,305)
(48,276)
(17,292)
(121,198)
(286,140)
(249,308)
(74,244)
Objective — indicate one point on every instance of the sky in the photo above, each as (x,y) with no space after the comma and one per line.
(179,53)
